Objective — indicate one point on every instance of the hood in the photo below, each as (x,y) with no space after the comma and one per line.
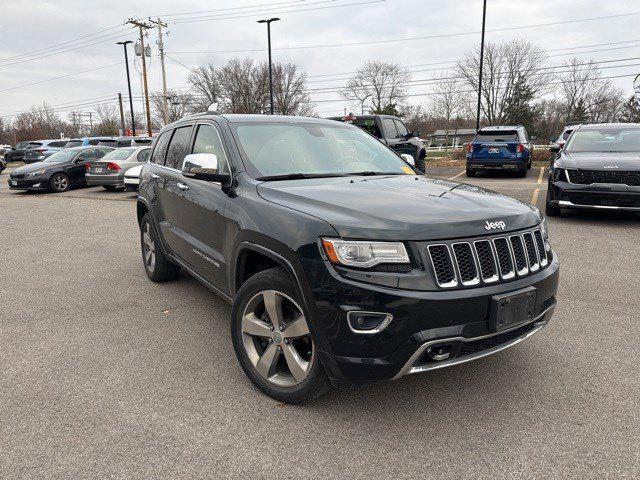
(597,161)
(401,207)
(32,167)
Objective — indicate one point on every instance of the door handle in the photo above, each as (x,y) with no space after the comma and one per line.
(182,186)
(155,176)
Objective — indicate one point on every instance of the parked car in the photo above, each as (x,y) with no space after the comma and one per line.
(59,172)
(392,132)
(500,148)
(86,141)
(598,168)
(132,178)
(133,141)
(3,164)
(110,170)
(43,150)
(307,227)
(16,154)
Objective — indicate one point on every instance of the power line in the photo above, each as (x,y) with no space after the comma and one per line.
(57,78)
(422,37)
(229,8)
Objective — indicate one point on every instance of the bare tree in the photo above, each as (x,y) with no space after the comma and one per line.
(380,84)
(206,88)
(509,69)
(289,90)
(586,96)
(179,105)
(447,101)
(107,120)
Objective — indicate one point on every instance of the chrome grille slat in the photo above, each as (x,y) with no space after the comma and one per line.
(505,258)
(442,264)
(542,251)
(532,254)
(517,247)
(466,264)
(486,260)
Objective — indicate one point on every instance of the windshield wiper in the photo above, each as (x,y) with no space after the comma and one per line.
(298,176)
(369,173)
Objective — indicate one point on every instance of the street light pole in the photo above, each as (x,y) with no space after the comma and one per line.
(484,17)
(126,61)
(268,22)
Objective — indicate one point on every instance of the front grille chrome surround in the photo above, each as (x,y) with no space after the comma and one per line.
(486,261)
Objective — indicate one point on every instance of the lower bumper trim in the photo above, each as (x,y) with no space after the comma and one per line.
(410,367)
(568,204)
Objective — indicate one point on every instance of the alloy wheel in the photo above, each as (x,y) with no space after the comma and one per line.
(276,338)
(60,183)
(148,248)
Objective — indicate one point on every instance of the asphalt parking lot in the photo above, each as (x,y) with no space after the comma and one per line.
(106,375)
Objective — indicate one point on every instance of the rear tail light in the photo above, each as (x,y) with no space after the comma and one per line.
(470,148)
(41,150)
(87,166)
(114,167)
(520,148)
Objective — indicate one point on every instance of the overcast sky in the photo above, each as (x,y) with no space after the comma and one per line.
(30,29)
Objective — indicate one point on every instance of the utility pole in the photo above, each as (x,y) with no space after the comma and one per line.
(268,22)
(121,113)
(142,27)
(484,17)
(165,106)
(126,61)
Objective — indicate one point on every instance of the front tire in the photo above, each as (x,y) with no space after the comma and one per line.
(551,210)
(110,188)
(272,340)
(59,182)
(471,172)
(156,265)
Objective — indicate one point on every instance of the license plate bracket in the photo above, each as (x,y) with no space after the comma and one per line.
(511,309)
(494,150)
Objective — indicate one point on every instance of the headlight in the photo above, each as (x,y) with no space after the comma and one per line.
(559,174)
(364,254)
(543,229)
(35,174)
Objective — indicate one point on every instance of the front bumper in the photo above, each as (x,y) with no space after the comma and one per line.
(100,180)
(459,318)
(33,184)
(594,197)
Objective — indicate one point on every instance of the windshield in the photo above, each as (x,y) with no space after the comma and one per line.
(62,156)
(497,136)
(316,150)
(119,154)
(604,140)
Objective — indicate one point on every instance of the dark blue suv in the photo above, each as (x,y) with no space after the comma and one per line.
(500,148)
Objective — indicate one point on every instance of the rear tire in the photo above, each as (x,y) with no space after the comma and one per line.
(471,172)
(110,188)
(59,182)
(156,265)
(279,356)
(522,173)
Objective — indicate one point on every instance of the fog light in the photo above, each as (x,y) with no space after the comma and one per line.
(36,185)
(368,323)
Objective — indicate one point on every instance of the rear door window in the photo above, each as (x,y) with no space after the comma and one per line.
(368,125)
(178,147)
(389,128)
(402,130)
(59,144)
(498,136)
(160,149)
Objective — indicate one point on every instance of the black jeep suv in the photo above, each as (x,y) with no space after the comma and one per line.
(309,228)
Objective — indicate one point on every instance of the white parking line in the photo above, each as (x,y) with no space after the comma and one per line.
(456,176)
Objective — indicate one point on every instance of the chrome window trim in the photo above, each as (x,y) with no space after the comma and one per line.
(511,274)
(495,277)
(476,280)
(454,282)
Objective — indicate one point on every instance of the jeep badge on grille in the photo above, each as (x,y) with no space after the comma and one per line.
(494,225)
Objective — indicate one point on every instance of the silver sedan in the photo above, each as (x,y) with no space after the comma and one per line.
(109,171)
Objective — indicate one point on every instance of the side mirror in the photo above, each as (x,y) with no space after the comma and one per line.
(203,166)
(415,133)
(409,159)
(555,148)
